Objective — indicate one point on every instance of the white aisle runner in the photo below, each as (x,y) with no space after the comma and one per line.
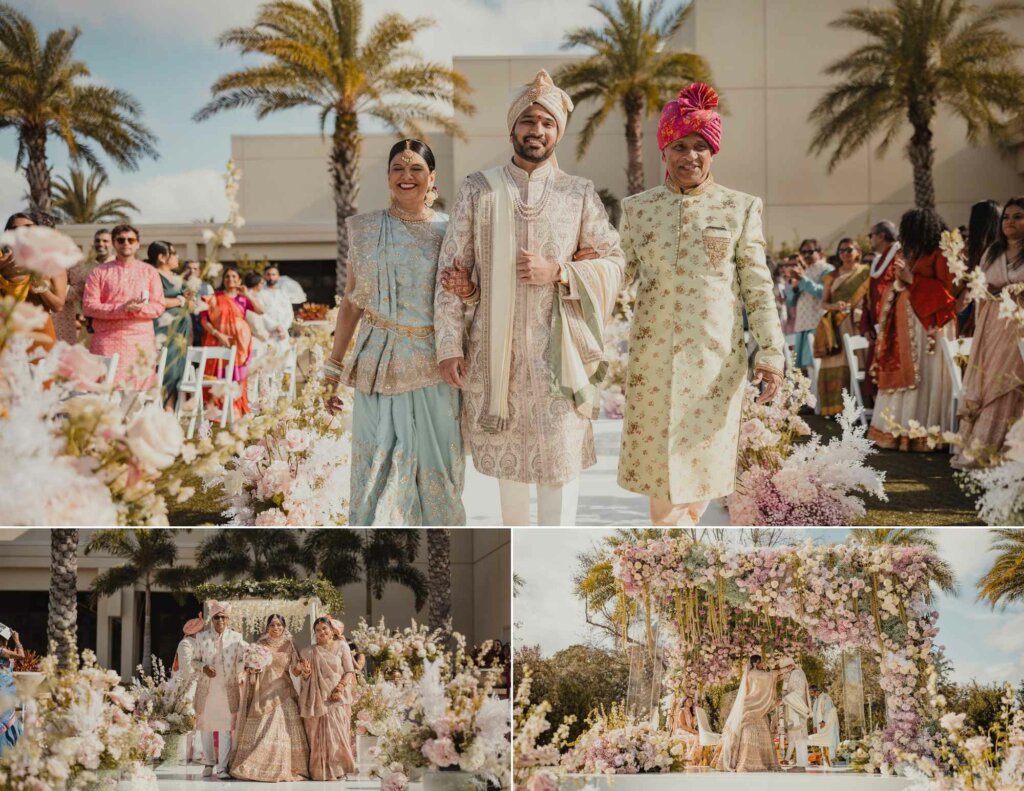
(177,778)
(603,502)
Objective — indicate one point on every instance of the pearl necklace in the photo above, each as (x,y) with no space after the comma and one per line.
(405,216)
(527,212)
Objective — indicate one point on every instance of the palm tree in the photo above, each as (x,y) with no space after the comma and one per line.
(344,556)
(633,68)
(439,577)
(920,54)
(62,611)
(1004,582)
(151,556)
(42,94)
(940,574)
(257,554)
(315,55)
(78,200)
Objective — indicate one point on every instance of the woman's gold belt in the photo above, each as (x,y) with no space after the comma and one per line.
(381,323)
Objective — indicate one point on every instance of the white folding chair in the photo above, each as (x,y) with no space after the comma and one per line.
(851,345)
(820,741)
(111,362)
(707,739)
(156,392)
(290,370)
(194,380)
(961,347)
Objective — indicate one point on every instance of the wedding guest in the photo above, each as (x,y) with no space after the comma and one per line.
(747,744)
(787,312)
(123,298)
(407,458)
(283,284)
(49,293)
(805,292)
(684,727)
(796,700)
(103,246)
(174,327)
(218,658)
(913,380)
(842,299)
(10,726)
(203,291)
(883,272)
(182,669)
(270,742)
(325,703)
(982,232)
(224,325)
(993,394)
(257,321)
(278,314)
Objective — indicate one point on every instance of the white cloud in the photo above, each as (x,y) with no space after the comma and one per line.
(177,197)
(464,27)
(1009,635)
(967,551)
(13,189)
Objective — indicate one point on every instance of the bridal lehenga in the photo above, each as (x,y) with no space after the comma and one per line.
(271,739)
(747,744)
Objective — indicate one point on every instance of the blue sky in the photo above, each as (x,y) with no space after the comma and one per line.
(982,644)
(165,54)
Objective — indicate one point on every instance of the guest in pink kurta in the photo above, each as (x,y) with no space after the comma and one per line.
(122,298)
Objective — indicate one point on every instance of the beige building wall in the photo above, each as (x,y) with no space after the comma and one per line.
(481,563)
(767,58)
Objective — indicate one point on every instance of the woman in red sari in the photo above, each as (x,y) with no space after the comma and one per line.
(224,325)
(913,381)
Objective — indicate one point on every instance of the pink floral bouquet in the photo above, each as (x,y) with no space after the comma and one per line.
(256,658)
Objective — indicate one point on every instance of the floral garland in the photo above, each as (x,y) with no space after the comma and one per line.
(85,734)
(284,590)
(849,595)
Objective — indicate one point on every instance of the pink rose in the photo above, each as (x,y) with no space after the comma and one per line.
(544,780)
(296,440)
(155,438)
(395,781)
(254,454)
(27,318)
(43,250)
(440,752)
(79,367)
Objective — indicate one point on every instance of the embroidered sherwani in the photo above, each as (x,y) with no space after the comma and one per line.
(217,698)
(700,258)
(546,441)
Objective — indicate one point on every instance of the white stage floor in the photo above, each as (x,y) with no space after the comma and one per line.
(177,778)
(812,780)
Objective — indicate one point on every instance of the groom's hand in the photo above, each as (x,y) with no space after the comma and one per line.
(534,270)
(771,381)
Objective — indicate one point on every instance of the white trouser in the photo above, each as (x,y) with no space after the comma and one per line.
(556,505)
(223,750)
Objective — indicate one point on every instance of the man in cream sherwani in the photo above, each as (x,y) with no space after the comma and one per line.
(531,259)
(797,700)
(826,719)
(218,662)
(699,253)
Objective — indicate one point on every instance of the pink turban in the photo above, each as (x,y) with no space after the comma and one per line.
(336,625)
(692,111)
(216,608)
(194,626)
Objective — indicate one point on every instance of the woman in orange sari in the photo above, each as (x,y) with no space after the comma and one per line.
(224,325)
(913,381)
(47,293)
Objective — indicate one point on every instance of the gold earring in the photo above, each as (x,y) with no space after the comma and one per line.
(431,197)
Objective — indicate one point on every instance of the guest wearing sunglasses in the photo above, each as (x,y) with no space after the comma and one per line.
(123,298)
(844,291)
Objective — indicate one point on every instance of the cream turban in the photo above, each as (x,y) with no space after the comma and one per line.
(544,92)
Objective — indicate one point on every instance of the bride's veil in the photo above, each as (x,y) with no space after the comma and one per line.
(731,729)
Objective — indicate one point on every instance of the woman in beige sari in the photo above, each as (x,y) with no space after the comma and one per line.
(271,742)
(993,395)
(325,702)
(684,728)
(747,744)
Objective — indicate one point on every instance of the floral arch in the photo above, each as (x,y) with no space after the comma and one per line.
(716,605)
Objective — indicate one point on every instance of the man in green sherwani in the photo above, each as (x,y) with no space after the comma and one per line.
(699,251)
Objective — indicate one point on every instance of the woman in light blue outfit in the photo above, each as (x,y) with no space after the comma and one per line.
(10,725)
(407,457)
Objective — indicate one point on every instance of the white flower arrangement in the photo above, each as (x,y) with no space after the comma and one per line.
(536,766)
(164,702)
(400,651)
(85,732)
